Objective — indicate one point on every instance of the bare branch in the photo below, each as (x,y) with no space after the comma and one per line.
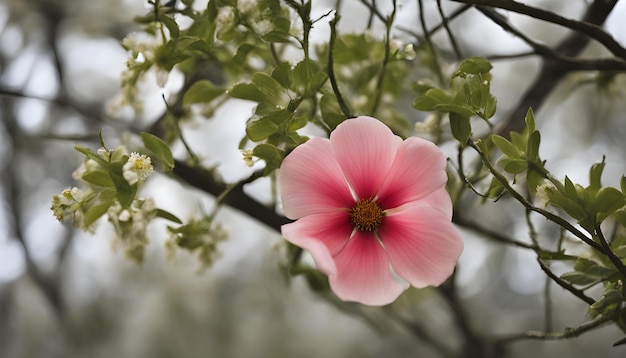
(589,29)
(236,198)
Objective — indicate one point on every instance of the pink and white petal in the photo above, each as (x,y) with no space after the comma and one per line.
(418,170)
(322,235)
(311,181)
(363,273)
(364,148)
(440,200)
(422,244)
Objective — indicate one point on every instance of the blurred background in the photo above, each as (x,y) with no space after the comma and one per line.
(64,293)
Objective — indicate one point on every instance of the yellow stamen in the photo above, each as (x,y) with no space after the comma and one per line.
(366,215)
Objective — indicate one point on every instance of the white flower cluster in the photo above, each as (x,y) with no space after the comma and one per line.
(225,19)
(131,225)
(137,168)
(198,235)
(430,126)
(67,203)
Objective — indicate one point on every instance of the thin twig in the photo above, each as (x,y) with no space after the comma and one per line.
(576,292)
(490,234)
(236,198)
(383,69)
(527,204)
(617,262)
(568,63)
(420,333)
(444,22)
(591,30)
(429,43)
(567,333)
(331,72)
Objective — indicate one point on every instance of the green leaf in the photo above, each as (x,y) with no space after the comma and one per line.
(171,25)
(272,89)
(316,280)
(474,65)
(519,141)
(495,188)
(91,155)
(530,120)
(167,216)
(297,123)
(515,166)
(95,212)
(620,216)
(570,205)
(331,113)
(587,272)
(260,129)
(592,268)
(276,36)
(438,96)
(460,127)
(555,255)
(423,86)
(98,178)
(506,147)
(242,54)
(272,156)
(622,184)
(490,107)
(578,278)
(607,304)
(570,189)
(595,175)
(160,149)
(247,91)
(607,200)
(280,117)
(462,109)
(534,179)
(281,74)
(532,149)
(125,192)
(202,91)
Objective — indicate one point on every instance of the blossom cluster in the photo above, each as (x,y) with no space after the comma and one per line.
(111,178)
(131,224)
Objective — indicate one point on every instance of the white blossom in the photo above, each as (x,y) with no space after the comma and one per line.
(247,156)
(138,167)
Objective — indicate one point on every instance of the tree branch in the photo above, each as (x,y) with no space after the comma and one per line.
(567,333)
(587,28)
(236,198)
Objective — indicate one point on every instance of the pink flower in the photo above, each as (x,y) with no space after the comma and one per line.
(372,210)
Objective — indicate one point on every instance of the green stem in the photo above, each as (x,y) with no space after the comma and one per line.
(444,22)
(566,334)
(576,292)
(519,197)
(617,262)
(383,69)
(331,72)
(436,65)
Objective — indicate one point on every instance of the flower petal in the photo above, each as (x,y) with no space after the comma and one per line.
(363,273)
(365,149)
(418,170)
(422,244)
(440,200)
(322,235)
(311,181)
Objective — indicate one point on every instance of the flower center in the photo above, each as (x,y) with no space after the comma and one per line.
(366,215)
